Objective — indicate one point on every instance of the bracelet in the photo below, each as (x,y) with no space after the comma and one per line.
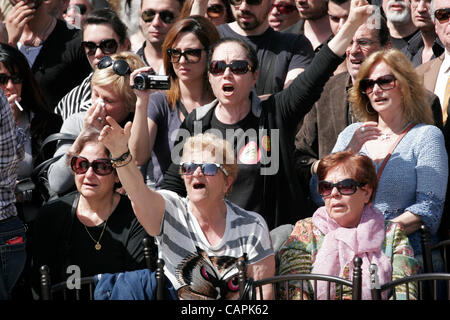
(123,160)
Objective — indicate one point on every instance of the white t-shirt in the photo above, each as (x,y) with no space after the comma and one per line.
(441,81)
(193,264)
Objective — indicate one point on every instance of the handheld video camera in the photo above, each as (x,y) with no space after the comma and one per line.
(144,81)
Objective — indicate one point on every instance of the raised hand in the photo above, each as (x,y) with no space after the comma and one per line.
(368,131)
(16,19)
(115,138)
(95,116)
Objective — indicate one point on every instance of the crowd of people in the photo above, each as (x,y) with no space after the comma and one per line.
(293,135)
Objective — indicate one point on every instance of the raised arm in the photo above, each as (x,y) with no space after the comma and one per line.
(147,204)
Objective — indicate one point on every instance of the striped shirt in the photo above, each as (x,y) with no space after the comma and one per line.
(193,264)
(76,100)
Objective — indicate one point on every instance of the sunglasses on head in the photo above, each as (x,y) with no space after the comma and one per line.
(345,187)
(284,8)
(218,67)
(81,165)
(215,11)
(208,169)
(442,15)
(386,82)
(120,67)
(4,78)
(107,46)
(249,2)
(190,55)
(165,15)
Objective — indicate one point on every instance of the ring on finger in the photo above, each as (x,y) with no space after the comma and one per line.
(363,129)
(100,119)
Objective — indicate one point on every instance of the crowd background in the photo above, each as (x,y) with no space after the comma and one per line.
(294,80)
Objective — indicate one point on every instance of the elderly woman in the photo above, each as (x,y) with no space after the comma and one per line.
(111,95)
(348,226)
(93,228)
(159,115)
(262,132)
(389,98)
(202,237)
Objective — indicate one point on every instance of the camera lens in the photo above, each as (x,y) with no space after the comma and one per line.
(140,81)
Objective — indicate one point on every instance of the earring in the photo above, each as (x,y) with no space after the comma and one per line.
(367,109)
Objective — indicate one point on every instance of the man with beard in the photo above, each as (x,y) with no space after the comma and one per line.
(399,21)
(282,56)
(156,18)
(425,45)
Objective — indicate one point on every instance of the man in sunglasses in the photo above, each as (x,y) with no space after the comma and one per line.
(156,18)
(103,34)
(282,56)
(283,14)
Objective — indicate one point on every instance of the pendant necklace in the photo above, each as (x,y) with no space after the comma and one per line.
(97,246)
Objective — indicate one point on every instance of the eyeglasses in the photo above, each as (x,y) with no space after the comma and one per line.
(208,169)
(81,165)
(120,66)
(165,15)
(191,55)
(249,2)
(284,8)
(362,43)
(386,82)
(345,187)
(107,46)
(218,67)
(442,14)
(4,78)
(215,11)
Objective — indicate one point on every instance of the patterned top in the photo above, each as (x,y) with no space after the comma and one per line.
(12,149)
(414,179)
(199,270)
(76,100)
(299,254)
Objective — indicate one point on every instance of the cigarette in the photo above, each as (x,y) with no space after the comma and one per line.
(18,105)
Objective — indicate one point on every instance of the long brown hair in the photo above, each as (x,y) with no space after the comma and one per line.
(206,33)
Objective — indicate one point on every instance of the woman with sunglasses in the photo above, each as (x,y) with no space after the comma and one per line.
(348,226)
(262,132)
(217,11)
(202,237)
(93,228)
(389,98)
(112,95)
(158,116)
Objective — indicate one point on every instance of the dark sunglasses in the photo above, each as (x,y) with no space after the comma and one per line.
(284,8)
(386,82)
(345,187)
(4,78)
(81,165)
(120,66)
(249,2)
(107,46)
(191,55)
(166,16)
(442,14)
(208,169)
(218,67)
(215,11)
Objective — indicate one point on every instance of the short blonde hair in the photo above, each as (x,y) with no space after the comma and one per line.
(416,107)
(121,84)
(218,147)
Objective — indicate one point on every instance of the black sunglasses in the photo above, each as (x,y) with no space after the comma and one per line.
(249,2)
(107,46)
(386,82)
(191,55)
(345,187)
(215,11)
(165,15)
(442,14)
(4,78)
(284,8)
(81,165)
(120,66)
(208,169)
(218,67)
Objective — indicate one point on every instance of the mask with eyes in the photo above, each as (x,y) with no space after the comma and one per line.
(208,278)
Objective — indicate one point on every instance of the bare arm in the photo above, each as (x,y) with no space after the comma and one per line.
(410,221)
(291,75)
(261,270)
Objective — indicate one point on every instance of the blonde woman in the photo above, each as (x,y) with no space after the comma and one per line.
(390,100)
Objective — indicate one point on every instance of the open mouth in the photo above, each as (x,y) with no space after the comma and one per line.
(380,99)
(198,186)
(228,88)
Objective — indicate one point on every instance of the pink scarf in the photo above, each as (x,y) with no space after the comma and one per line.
(341,245)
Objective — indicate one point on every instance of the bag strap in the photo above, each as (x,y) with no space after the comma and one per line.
(400,137)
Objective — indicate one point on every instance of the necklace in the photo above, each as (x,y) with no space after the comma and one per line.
(388,136)
(97,246)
